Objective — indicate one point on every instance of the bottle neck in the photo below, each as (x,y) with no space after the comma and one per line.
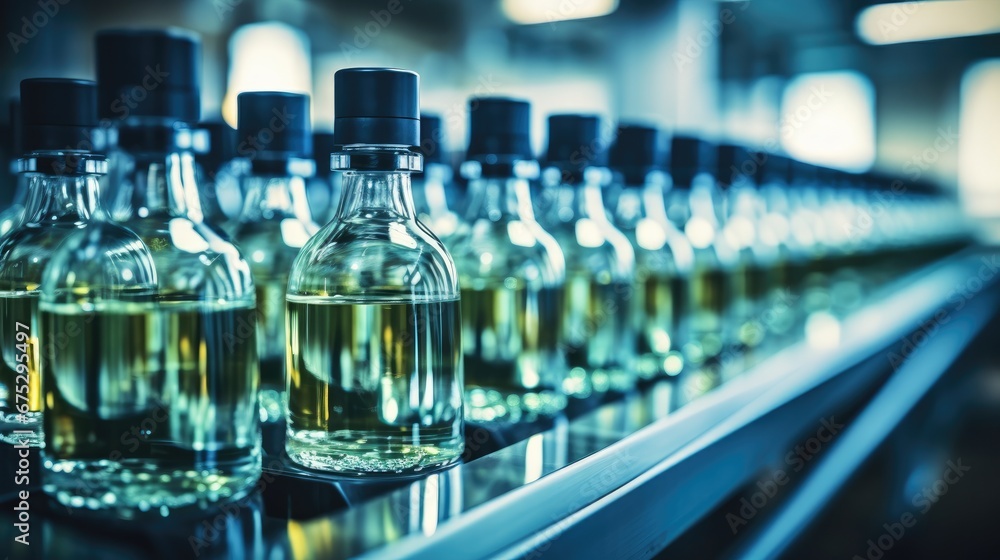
(61,199)
(385,195)
(62,187)
(166,184)
(275,197)
(499,198)
(588,200)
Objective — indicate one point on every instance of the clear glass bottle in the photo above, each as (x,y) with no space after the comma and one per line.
(663,255)
(433,191)
(169,417)
(276,220)
(374,321)
(696,203)
(512,274)
(598,333)
(743,211)
(60,171)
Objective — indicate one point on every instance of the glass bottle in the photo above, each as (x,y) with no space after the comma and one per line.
(169,417)
(373,315)
(598,334)
(743,211)
(60,171)
(433,192)
(276,220)
(512,274)
(696,204)
(663,255)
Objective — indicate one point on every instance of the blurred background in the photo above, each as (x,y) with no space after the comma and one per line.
(905,88)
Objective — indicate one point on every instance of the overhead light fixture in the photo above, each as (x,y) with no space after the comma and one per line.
(550,11)
(267,56)
(905,22)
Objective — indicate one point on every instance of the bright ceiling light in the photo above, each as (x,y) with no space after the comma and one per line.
(268,56)
(549,11)
(828,118)
(905,22)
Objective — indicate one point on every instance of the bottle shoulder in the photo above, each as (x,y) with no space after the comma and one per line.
(374,256)
(508,247)
(27,249)
(589,244)
(194,258)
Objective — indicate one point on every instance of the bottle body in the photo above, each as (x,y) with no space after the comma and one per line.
(714,281)
(154,404)
(275,223)
(598,333)
(662,280)
(373,338)
(57,206)
(512,273)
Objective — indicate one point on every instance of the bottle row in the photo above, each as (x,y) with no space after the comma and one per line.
(143,346)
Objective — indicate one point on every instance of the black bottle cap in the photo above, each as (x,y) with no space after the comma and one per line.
(376,106)
(58,114)
(431,138)
(637,150)
(772,168)
(803,172)
(690,156)
(499,127)
(274,124)
(733,163)
(221,144)
(575,142)
(149,73)
(323,146)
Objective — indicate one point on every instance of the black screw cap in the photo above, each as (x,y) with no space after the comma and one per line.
(58,114)
(637,150)
(575,142)
(690,156)
(376,106)
(275,123)
(431,138)
(149,73)
(730,164)
(499,127)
